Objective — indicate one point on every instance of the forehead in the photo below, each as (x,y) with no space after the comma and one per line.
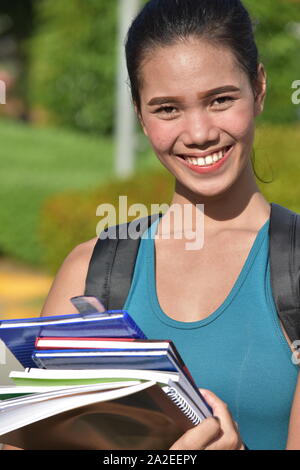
(188,66)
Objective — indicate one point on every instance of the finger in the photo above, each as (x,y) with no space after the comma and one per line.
(228,425)
(220,409)
(198,437)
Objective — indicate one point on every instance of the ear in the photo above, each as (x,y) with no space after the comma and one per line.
(140,118)
(260,90)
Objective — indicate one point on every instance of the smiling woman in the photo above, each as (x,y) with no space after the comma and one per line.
(197,87)
(204,127)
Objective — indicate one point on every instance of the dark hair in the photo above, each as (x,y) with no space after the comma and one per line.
(164,22)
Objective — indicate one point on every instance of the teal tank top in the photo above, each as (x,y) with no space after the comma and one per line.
(239,351)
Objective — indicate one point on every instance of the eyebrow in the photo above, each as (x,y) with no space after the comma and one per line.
(205,94)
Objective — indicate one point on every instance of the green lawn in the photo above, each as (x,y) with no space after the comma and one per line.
(35,163)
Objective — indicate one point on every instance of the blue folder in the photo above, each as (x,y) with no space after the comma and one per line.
(19,335)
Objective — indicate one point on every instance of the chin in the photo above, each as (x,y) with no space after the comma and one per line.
(205,191)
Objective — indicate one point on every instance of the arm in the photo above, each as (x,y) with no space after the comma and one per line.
(293,442)
(69,281)
(8,447)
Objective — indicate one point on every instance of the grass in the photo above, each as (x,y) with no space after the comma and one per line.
(36,163)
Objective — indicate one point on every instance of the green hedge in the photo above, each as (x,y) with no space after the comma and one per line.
(277,160)
(70,218)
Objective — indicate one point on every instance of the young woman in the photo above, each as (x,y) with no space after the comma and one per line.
(197,87)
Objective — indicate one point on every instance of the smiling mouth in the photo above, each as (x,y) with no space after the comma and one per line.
(208,160)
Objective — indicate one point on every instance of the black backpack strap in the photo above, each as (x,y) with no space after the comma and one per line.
(285,267)
(112,262)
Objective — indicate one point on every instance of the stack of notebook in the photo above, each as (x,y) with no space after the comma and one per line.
(92,380)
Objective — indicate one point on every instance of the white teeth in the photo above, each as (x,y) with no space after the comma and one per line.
(215,157)
(209,160)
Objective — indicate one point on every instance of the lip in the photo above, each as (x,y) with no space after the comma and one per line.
(209,168)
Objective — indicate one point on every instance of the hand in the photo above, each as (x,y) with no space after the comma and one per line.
(215,433)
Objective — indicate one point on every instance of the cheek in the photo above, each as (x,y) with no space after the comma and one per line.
(161,134)
(241,124)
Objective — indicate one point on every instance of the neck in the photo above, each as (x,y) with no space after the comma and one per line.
(241,206)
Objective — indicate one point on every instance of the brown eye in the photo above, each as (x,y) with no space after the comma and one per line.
(166,109)
(223,100)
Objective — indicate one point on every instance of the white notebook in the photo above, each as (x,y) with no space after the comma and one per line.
(124,410)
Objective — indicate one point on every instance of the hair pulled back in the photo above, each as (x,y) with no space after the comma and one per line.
(223,23)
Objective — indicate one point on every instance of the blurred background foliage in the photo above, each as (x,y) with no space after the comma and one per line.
(277,31)
(72,63)
(57,145)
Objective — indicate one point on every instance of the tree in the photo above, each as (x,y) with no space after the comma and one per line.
(278,39)
(73,59)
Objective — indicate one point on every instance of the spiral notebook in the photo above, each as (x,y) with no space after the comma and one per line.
(126,411)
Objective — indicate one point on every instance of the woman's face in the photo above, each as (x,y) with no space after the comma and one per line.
(198,110)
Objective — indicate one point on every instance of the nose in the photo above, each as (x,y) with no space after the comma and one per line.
(199,129)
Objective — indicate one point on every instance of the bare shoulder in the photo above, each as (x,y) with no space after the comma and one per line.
(69,280)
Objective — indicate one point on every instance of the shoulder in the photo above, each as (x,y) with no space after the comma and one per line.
(78,259)
(69,280)
(81,253)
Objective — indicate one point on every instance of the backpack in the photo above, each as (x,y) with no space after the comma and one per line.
(111,266)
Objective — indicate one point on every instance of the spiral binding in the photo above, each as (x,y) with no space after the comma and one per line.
(182,405)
